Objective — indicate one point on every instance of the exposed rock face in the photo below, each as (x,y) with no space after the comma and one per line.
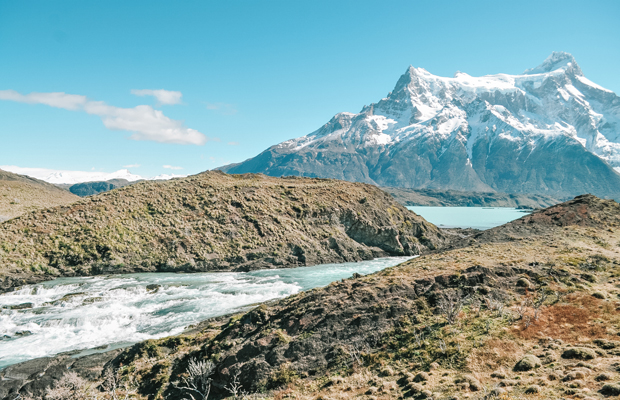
(549,131)
(212,221)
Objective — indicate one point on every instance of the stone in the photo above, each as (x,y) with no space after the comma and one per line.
(579,353)
(532,389)
(522,282)
(528,363)
(610,389)
(421,377)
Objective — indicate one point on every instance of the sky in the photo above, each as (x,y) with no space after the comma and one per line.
(180,87)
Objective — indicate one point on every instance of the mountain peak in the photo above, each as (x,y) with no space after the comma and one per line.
(557,60)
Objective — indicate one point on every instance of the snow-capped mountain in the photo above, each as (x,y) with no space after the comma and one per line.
(549,130)
(72,177)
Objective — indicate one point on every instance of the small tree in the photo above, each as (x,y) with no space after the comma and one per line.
(198,379)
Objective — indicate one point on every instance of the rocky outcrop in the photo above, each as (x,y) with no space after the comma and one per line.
(212,221)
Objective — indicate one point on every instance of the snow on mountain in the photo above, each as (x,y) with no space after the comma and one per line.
(549,130)
(73,177)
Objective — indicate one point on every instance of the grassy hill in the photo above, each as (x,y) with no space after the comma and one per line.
(211,221)
(509,316)
(20,194)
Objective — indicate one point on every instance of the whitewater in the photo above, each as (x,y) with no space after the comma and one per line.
(107,312)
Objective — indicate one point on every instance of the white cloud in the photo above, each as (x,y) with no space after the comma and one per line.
(145,122)
(162,96)
(56,99)
(222,108)
(171,167)
(233,143)
(131,166)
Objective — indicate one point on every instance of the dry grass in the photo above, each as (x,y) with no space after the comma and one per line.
(494,354)
(582,318)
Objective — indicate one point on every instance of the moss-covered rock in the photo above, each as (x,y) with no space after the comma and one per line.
(579,353)
(528,363)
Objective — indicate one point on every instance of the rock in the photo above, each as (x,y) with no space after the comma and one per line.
(579,353)
(522,282)
(532,389)
(607,344)
(421,377)
(153,287)
(499,374)
(577,384)
(426,394)
(22,306)
(610,389)
(528,363)
(414,388)
(599,295)
(602,377)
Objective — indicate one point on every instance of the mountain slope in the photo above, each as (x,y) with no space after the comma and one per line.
(549,131)
(90,188)
(211,221)
(489,321)
(20,194)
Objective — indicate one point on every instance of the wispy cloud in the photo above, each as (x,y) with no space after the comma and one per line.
(171,167)
(222,108)
(167,97)
(131,166)
(145,122)
(233,143)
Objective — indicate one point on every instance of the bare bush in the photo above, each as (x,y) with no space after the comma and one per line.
(198,380)
(115,386)
(235,388)
(451,303)
(70,387)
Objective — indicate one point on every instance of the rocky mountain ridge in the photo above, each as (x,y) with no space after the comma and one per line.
(548,131)
(211,221)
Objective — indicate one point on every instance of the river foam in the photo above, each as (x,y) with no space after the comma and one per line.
(71,314)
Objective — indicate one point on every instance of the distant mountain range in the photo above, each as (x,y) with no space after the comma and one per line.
(548,131)
(68,178)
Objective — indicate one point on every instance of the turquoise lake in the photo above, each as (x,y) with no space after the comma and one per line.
(468,217)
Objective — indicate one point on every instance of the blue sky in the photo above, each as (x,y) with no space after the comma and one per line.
(250,73)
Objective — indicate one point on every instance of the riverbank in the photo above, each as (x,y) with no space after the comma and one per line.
(522,309)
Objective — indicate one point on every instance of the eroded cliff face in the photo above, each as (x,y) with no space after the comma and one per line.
(548,131)
(211,221)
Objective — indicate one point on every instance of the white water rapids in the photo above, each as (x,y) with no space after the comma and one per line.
(112,311)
